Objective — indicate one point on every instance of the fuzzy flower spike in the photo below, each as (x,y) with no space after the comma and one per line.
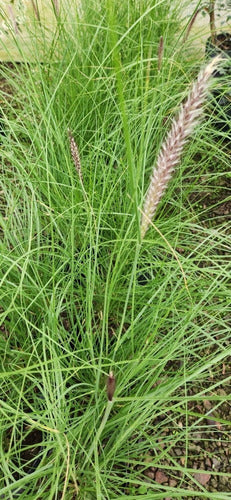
(170,152)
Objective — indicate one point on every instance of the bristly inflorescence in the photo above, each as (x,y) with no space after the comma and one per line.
(171,149)
(75,155)
(110,386)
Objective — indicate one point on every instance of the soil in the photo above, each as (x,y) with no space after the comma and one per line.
(208,457)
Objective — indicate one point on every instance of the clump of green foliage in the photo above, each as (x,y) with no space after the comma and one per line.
(80,298)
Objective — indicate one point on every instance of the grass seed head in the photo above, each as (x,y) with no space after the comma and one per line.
(169,156)
(75,155)
(110,386)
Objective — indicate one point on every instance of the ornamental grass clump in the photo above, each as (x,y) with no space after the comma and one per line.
(170,152)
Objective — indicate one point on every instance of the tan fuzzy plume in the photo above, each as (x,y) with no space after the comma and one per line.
(160,52)
(75,155)
(171,149)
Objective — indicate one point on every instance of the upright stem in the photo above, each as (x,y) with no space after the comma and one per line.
(212,21)
(100,430)
(111,10)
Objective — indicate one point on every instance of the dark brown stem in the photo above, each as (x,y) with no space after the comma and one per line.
(212,21)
